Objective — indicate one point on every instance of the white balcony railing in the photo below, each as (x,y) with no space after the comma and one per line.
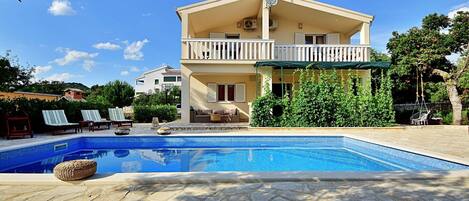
(228,49)
(336,53)
(235,49)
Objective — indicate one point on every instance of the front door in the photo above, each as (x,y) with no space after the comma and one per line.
(277,89)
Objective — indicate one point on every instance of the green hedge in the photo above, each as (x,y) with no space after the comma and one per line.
(325,102)
(34,107)
(145,114)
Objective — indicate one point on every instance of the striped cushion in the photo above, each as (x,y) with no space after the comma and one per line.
(91,115)
(116,114)
(55,117)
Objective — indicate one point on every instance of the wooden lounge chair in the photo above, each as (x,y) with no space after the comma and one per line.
(57,120)
(94,117)
(117,117)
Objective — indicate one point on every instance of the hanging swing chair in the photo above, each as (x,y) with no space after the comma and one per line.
(421,113)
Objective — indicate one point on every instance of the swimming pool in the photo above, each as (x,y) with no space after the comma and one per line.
(118,154)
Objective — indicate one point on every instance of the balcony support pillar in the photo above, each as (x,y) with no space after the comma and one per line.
(265,20)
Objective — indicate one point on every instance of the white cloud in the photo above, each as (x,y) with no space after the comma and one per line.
(124,73)
(72,56)
(107,46)
(88,65)
(134,69)
(61,7)
(462,7)
(62,77)
(147,14)
(133,51)
(41,69)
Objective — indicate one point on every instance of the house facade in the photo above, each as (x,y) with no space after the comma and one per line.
(158,79)
(233,50)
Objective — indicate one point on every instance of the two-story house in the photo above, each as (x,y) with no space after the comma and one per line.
(158,79)
(234,49)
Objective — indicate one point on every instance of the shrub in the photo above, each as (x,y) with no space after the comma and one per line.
(326,103)
(163,112)
(263,111)
(34,107)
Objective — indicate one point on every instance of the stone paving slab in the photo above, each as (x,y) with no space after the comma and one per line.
(457,190)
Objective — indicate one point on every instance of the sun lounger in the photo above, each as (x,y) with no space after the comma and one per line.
(94,117)
(116,115)
(57,120)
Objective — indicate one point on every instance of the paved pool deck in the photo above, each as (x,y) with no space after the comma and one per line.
(446,141)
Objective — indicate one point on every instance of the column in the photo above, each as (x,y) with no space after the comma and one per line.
(266,81)
(184,35)
(265,20)
(185,94)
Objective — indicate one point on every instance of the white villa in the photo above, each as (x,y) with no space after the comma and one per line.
(157,79)
(233,49)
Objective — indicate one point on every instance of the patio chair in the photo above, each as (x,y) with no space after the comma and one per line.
(116,115)
(420,118)
(94,117)
(56,119)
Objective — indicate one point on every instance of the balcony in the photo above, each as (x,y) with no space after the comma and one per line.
(254,50)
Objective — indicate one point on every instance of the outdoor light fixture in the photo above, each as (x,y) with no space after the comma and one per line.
(300,25)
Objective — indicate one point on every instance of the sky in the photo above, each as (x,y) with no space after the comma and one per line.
(94,42)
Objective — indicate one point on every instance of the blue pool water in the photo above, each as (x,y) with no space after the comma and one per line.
(215,154)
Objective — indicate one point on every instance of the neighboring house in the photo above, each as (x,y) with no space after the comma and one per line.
(29,95)
(158,79)
(226,45)
(73,94)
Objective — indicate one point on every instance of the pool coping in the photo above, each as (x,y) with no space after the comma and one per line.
(237,177)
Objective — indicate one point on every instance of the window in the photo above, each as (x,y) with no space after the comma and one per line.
(157,81)
(315,39)
(309,39)
(321,39)
(179,78)
(139,82)
(169,79)
(231,92)
(221,93)
(226,92)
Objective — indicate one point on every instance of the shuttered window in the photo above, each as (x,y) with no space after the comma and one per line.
(212,92)
(240,93)
(226,92)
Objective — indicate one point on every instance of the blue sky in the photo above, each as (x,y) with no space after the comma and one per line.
(94,42)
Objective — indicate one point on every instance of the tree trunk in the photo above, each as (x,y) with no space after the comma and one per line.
(451,88)
(455,101)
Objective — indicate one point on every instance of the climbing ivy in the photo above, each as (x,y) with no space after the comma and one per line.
(328,100)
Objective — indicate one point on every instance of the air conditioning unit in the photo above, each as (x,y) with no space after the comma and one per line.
(273,24)
(249,24)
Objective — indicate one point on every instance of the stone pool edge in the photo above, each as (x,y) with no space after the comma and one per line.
(238,177)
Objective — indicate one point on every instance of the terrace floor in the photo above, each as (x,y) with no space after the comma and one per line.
(447,141)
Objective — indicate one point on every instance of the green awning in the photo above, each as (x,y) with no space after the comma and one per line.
(323,65)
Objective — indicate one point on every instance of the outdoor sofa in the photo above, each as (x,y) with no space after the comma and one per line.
(227,115)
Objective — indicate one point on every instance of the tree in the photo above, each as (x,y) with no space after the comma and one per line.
(13,75)
(52,87)
(424,50)
(118,93)
(170,96)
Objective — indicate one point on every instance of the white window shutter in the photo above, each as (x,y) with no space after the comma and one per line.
(300,38)
(211,92)
(333,38)
(215,35)
(240,92)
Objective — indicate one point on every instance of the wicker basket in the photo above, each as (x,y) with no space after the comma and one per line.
(75,170)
